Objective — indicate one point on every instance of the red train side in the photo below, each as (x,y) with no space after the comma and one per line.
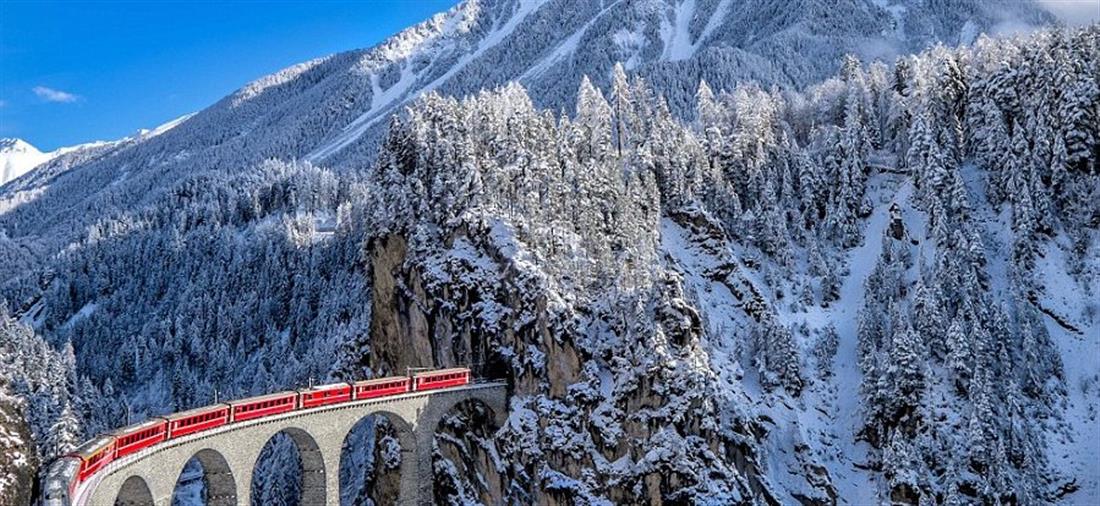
(324,395)
(94,455)
(264,405)
(381,387)
(135,438)
(197,420)
(444,378)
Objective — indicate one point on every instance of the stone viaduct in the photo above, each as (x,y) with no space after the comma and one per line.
(229,454)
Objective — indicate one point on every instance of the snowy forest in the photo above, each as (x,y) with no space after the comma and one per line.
(880,288)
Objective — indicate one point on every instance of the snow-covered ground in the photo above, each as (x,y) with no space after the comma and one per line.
(828,416)
(836,416)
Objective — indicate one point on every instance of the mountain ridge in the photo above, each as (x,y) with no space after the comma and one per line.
(17,157)
(277,116)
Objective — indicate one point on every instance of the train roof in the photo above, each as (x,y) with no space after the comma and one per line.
(381,380)
(91,447)
(62,466)
(259,398)
(152,422)
(58,476)
(322,388)
(196,411)
(442,371)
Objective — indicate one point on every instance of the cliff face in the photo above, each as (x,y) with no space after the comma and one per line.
(605,401)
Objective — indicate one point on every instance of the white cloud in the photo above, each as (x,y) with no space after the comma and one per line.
(52,95)
(1074,12)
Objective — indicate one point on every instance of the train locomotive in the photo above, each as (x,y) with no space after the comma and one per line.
(70,471)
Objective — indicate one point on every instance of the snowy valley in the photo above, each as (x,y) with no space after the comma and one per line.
(827,259)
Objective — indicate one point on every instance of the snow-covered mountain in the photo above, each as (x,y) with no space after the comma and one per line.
(333,110)
(701,290)
(17,157)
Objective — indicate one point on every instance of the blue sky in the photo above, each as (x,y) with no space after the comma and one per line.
(72,72)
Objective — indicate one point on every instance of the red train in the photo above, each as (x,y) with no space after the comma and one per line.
(68,472)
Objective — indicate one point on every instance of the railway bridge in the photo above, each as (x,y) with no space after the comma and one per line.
(229,454)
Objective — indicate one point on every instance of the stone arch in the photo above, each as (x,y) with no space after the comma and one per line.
(312,465)
(221,487)
(134,492)
(493,403)
(406,437)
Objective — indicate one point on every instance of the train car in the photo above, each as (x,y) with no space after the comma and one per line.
(443,378)
(264,405)
(68,472)
(137,437)
(324,395)
(380,387)
(59,483)
(94,455)
(197,420)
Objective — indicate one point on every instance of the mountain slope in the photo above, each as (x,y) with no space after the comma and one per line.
(333,110)
(17,158)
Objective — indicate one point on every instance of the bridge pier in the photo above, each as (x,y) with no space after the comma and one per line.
(423,494)
(243,477)
(229,454)
(331,454)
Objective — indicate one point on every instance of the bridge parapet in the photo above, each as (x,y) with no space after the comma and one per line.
(229,454)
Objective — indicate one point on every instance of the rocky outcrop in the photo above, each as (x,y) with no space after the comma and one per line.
(399,337)
(606,402)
